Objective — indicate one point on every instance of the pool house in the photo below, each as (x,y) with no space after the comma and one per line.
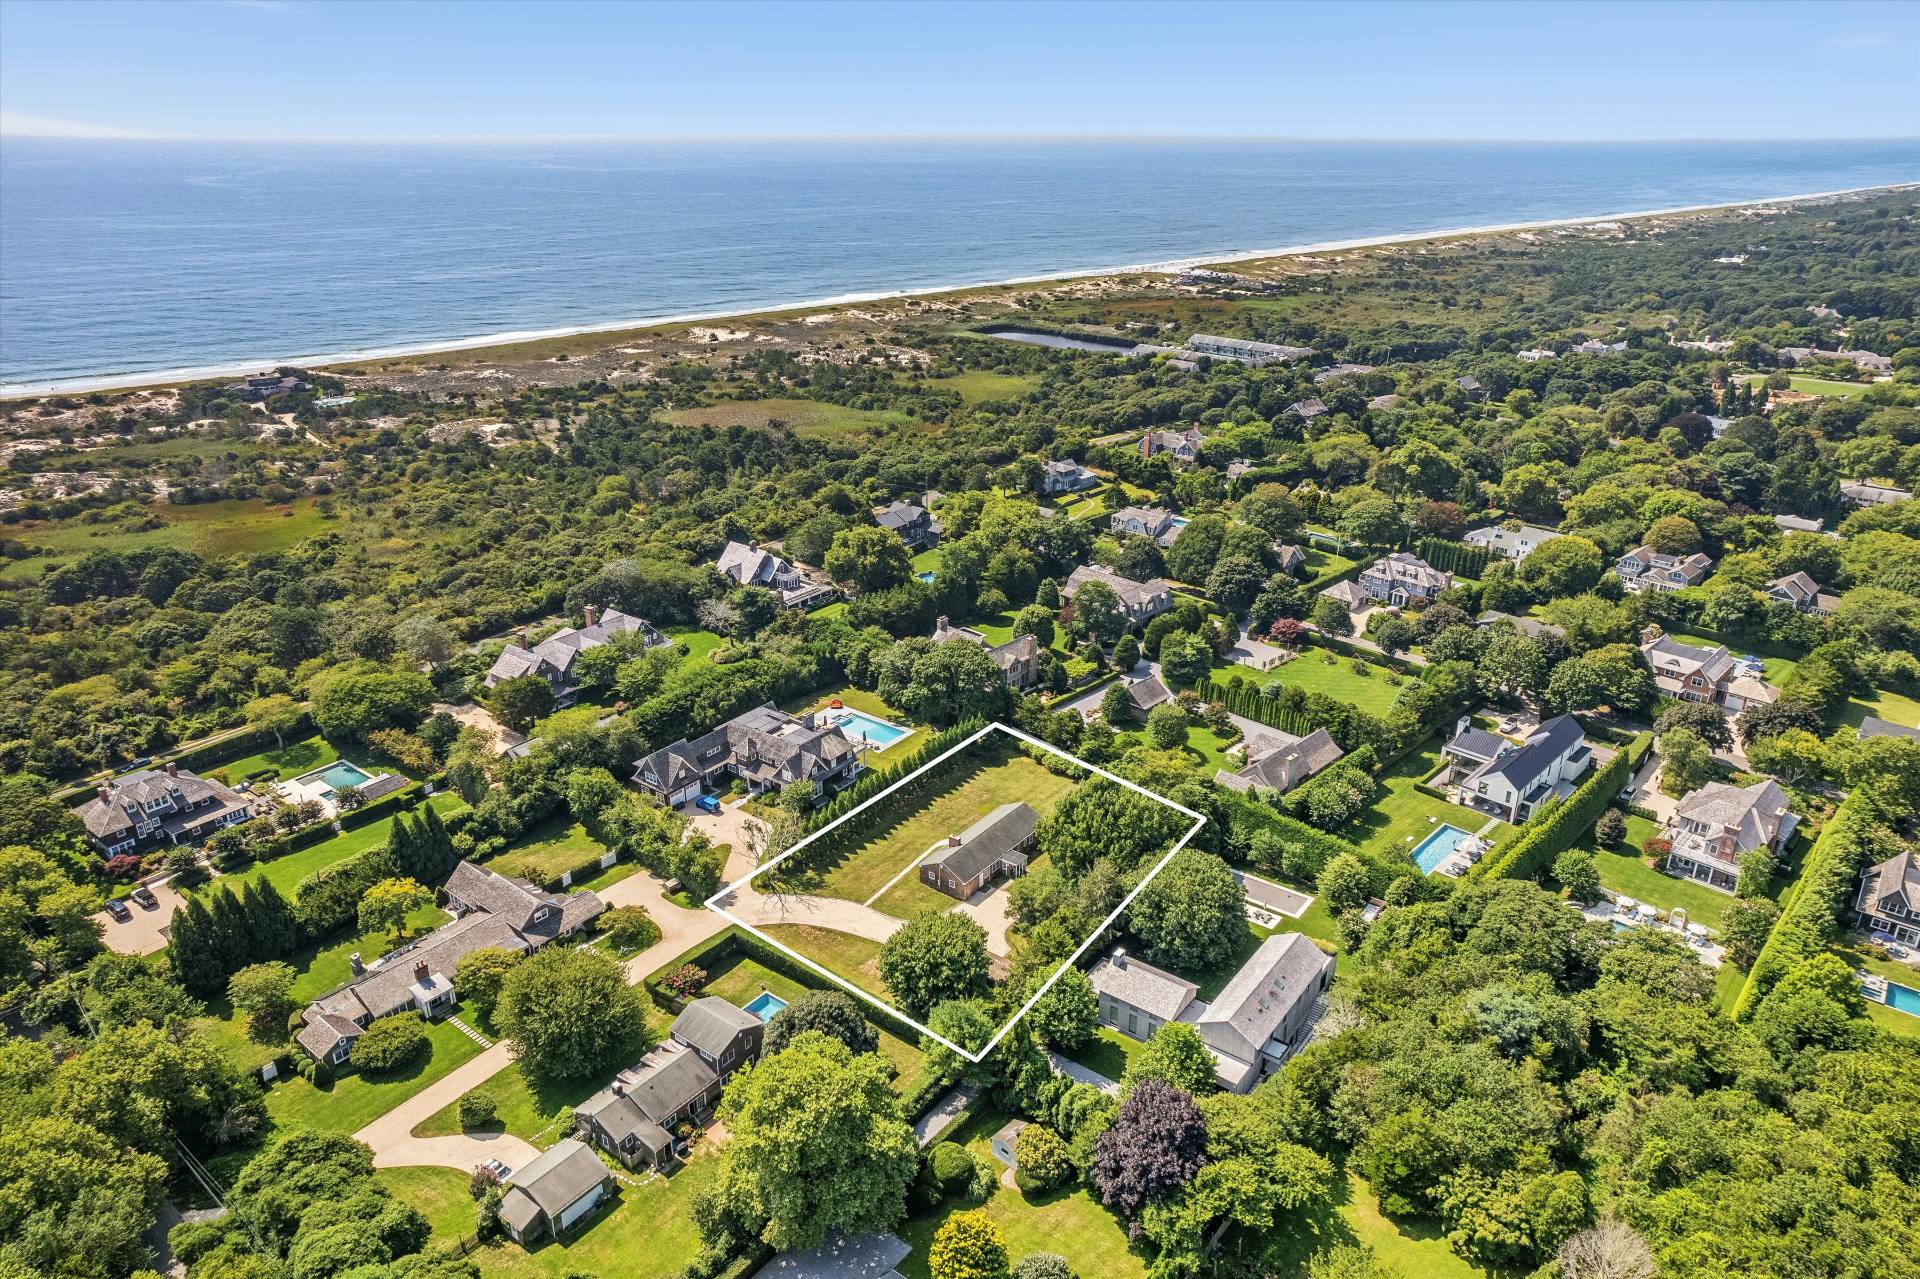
(324,785)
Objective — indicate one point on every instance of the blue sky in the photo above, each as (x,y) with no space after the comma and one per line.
(341,69)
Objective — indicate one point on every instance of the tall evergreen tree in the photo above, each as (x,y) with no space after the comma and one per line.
(404,847)
(190,947)
(277,920)
(438,855)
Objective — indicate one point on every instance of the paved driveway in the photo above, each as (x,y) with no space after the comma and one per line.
(146,932)
(989,910)
(735,827)
(763,909)
(391,1135)
(1646,790)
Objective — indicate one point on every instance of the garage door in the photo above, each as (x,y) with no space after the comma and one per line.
(581,1206)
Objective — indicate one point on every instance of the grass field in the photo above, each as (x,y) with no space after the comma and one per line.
(855,958)
(979,386)
(352,1101)
(975,783)
(1207,752)
(1109,1053)
(647,1234)
(236,527)
(1398,819)
(1070,1223)
(1896,708)
(439,1193)
(1817,385)
(699,643)
(538,1113)
(1407,1248)
(1337,679)
(808,419)
(1624,870)
(286,761)
(285,873)
(548,851)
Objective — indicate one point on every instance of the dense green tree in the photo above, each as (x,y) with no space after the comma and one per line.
(569,1013)
(934,957)
(1192,914)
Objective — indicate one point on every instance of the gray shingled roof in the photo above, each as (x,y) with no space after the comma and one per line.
(667,1078)
(126,795)
(1522,765)
(1142,986)
(1247,1012)
(552,1183)
(711,1023)
(621,1119)
(989,840)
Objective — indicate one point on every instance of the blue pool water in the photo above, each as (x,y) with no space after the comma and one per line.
(766,1005)
(1903,998)
(342,775)
(1437,846)
(864,727)
(926,576)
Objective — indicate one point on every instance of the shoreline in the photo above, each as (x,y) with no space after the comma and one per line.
(404,350)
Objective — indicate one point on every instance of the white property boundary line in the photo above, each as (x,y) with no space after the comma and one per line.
(713,903)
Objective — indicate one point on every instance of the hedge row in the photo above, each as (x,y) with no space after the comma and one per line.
(1454,557)
(1322,582)
(404,798)
(1814,906)
(1246,699)
(873,782)
(1304,849)
(251,742)
(1556,827)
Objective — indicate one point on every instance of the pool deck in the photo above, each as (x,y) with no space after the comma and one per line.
(311,786)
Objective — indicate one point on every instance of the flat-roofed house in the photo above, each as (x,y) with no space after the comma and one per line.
(1645,569)
(992,849)
(157,807)
(1803,593)
(1140,602)
(1403,578)
(1022,660)
(1797,524)
(1266,1011)
(1511,543)
(553,658)
(1512,781)
(913,524)
(490,911)
(764,747)
(1155,522)
(1714,827)
(553,1193)
(1136,998)
(1534,355)
(1280,765)
(1888,900)
(746,564)
(1242,351)
(1339,370)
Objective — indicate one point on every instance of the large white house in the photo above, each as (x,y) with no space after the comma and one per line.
(1403,578)
(1512,543)
(1511,781)
(1645,569)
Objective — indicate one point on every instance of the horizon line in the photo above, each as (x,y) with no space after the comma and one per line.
(483,139)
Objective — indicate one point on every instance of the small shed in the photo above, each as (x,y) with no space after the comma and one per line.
(1004,1139)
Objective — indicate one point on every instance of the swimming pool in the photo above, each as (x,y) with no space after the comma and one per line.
(339,775)
(1903,999)
(926,576)
(766,1005)
(1438,846)
(865,728)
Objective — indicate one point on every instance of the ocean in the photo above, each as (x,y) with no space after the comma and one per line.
(128,260)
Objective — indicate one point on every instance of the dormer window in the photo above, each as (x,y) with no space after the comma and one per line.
(541,913)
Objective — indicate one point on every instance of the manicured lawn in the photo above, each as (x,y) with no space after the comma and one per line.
(808,419)
(1066,1222)
(1778,665)
(647,1234)
(539,1113)
(285,873)
(1109,1054)
(977,782)
(740,978)
(926,561)
(548,851)
(331,965)
(291,760)
(608,877)
(861,700)
(1092,504)
(977,386)
(439,1193)
(699,643)
(1320,563)
(1399,818)
(1204,751)
(1895,708)
(1000,631)
(1337,678)
(1817,385)
(1623,869)
(353,1101)
(857,959)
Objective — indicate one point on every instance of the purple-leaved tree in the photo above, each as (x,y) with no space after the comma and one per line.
(1157,1143)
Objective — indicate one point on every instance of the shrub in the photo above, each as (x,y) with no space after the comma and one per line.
(476,1109)
(1040,1160)
(630,927)
(952,1167)
(1611,827)
(390,1043)
(685,981)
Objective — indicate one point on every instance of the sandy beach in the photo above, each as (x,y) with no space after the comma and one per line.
(637,327)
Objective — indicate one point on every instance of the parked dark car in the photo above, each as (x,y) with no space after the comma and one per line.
(118,909)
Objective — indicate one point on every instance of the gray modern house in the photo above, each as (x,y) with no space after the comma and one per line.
(766,747)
